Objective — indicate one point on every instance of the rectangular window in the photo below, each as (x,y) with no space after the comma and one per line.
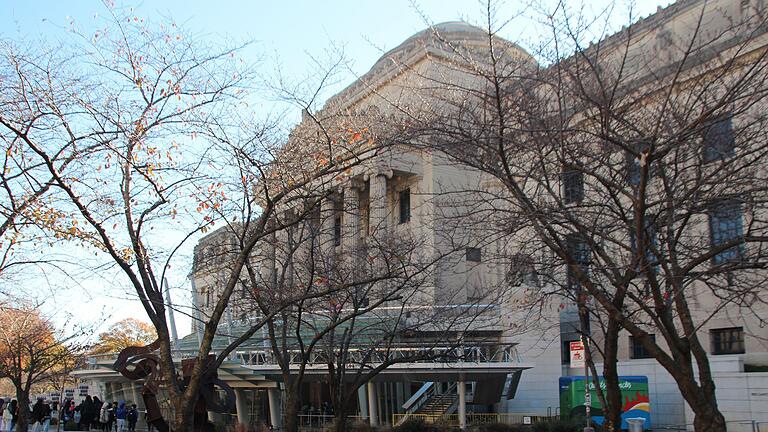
(405,205)
(718,141)
(565,352)
(653,245)
(474,254)
(637,350)
(726,226)
(337,231)
(578,249)
(632,162)
(727,340)
(573,184)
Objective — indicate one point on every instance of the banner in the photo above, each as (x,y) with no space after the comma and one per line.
(577,354)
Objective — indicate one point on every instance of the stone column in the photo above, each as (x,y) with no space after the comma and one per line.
(269,268)
(379,206)
(462,405)
(362,400)
(327,238)
(275,416)
(379,215)
(134,395)
(350,234)
(373,412)
(241,404)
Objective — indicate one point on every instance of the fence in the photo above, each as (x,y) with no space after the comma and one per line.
(474,418)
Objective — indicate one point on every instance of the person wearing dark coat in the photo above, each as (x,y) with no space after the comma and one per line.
(97,403)
(14,410)
(86,414)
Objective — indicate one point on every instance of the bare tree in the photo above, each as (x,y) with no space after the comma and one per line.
(162,151)
(638,161)
(34,353)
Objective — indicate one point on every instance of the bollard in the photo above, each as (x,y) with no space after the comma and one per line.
(635,424)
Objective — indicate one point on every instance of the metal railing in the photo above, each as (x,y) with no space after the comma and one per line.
(473,418)
(480,353)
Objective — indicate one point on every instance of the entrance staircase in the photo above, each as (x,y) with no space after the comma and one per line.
(428,402)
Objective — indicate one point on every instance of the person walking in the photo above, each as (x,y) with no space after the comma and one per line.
(37,414)
(13,410)
(96,414)
(112,418)
(120,415)
(104,416)
(2,410)
(41,413)
(132,417)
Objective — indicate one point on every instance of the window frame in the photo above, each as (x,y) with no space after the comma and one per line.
(637,350)
(337,230)
(717,140)
(404,203)
(583,256)
(725,227)
(572,179)
(472,252)
(717,343)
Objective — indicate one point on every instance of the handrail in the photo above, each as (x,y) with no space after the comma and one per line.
(424,388)
(477,353)
(427,393)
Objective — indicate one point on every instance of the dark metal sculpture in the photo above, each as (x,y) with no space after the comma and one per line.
(140,362)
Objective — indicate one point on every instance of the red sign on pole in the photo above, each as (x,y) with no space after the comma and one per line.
(577,354)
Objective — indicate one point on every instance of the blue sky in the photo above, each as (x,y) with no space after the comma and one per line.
(287,35)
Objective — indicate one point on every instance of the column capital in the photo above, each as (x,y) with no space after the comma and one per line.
(379,170)
(353,183)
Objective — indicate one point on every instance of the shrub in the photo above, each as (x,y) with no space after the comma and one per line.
(419,425)
(500,427)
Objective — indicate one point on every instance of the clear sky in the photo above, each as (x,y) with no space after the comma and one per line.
(287,34)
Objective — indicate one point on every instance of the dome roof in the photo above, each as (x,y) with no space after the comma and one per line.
(442,39)
(452,32)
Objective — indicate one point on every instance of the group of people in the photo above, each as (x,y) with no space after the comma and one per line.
(90,414)
(39,415)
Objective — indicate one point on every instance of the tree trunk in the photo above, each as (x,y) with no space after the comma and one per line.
(22,422)
(703,403)
(292,406)
(707,419)
(340,410)
(612,410)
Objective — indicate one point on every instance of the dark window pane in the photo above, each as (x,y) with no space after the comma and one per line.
(578,248)
(405,205)
(652,245)
(638,350)
(632,162)
(573,184)
(718,141)
(473,254)
(727,340)
(337,231)
(725,226)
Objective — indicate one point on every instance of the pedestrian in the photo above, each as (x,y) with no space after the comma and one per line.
(37,414)
(86,414)
(41,413)
(104,416)
(132,417)
(112,418)
(96,414)
(2,409)
(120,415)
(13,410)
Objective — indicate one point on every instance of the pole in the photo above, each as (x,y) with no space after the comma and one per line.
(171,319)
(587,395)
